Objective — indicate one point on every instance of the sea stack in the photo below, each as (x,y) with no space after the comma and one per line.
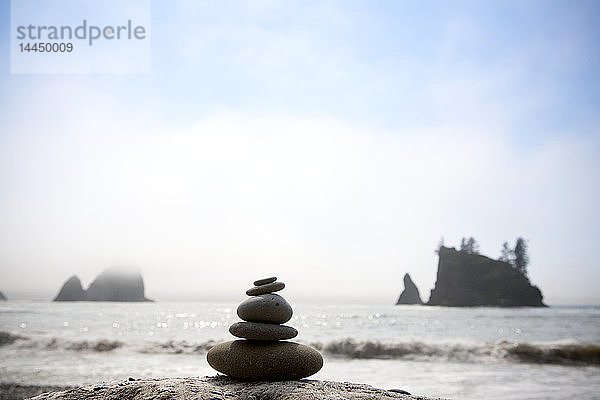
(263,353)
(71,290)
(117,284)
(113,284)
(410,294)
(467,280)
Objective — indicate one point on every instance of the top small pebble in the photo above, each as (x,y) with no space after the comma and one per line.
(265,281)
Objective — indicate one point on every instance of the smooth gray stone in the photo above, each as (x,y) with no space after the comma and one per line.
(264,289)
(256,360)
(261,331)
(265,281)
(270,308)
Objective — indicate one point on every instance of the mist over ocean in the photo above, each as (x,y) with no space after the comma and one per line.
(462,353)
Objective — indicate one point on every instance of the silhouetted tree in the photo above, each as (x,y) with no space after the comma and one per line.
(506,253)
(521,258)
(463,244)
(472,246)
(440,245)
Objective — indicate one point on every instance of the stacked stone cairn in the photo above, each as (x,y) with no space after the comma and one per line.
(263,353)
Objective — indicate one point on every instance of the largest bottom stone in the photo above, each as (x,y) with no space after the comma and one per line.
(256,360)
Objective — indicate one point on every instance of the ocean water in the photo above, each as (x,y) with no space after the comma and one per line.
(462,353)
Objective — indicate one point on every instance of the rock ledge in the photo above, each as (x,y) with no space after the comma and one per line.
(221,388)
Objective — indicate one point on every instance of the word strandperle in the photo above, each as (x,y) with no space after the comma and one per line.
(81,32)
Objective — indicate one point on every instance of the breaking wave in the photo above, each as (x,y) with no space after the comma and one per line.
(8,338)
(543,353)
(563,354)
(24,342)
(104,345)
(177,347)
(350,348)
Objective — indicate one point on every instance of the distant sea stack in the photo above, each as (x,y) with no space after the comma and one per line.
(2,296)
(111,285)
(71,290)
(116,285)
(410,294)
(465,279)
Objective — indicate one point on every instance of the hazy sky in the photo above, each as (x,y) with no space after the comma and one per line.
(329,143)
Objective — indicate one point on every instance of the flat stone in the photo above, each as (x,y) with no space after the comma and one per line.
(261,331)
(256,360)
(265,281)
(266,288)
(270,308)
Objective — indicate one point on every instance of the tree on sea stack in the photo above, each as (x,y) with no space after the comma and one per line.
(439,246)
(506,253)
(521,257)
(469,246)
(472,246)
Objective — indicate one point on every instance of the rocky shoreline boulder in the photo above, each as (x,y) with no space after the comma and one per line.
(2,296)
(221,387)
